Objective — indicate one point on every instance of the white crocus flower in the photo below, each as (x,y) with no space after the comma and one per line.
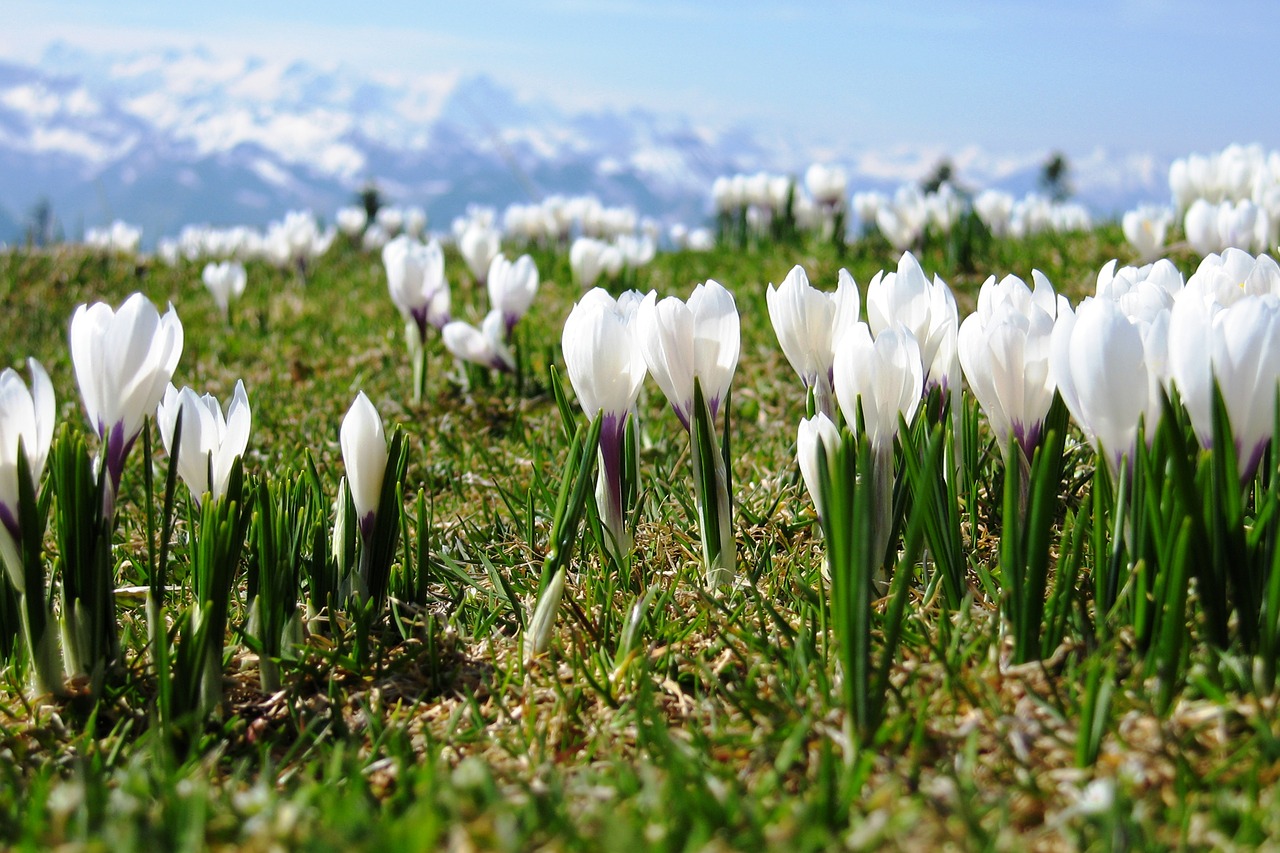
(479,245)
(486,345)
(123,361)
(1099,363)
(210,441)
(1004,351)
(26,417)
(1200,224)
(1140,291)
(688,345)
(225,281)
(602,355)
(885,374)
(351,220)
(606,369)
(808,322)
(681,341)
(995,209)
(587,260)
(416,281)
(512,287)
(1145,229)
(1242,342)
(1233,275)
(1246,362)
(927,309)
(827,184)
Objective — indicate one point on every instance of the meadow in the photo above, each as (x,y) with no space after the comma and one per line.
(664,714)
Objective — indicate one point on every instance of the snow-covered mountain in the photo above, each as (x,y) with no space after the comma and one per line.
(167,138)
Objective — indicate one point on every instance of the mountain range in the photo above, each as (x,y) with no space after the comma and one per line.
(165,138)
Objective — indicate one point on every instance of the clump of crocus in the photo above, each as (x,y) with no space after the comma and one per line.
(1229,311)
(123,361)
(295,241)
(207,447)
(850,474)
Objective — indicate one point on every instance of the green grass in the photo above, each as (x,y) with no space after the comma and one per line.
(664,717)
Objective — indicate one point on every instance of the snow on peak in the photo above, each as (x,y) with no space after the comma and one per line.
(248,135)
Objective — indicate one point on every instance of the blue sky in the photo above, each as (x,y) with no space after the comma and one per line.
(1162,76)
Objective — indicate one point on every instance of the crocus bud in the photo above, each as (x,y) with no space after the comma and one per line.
(816,441)
(364,453)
